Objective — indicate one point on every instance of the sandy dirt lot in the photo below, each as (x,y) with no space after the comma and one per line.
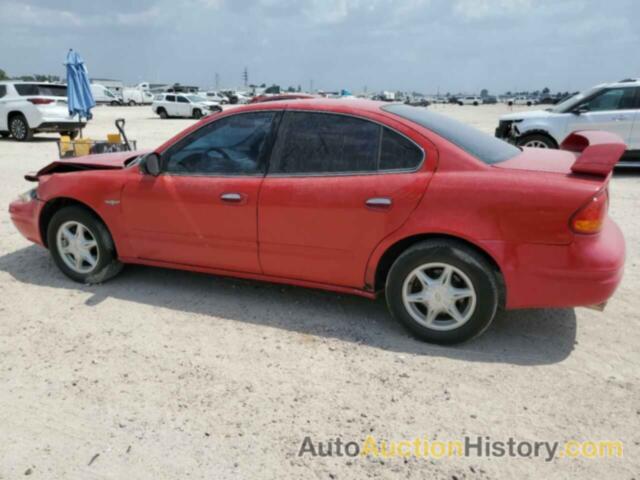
(167,374)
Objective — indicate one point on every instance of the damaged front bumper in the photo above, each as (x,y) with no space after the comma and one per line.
(508,130)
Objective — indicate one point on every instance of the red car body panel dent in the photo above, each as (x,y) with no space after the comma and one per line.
(317,231)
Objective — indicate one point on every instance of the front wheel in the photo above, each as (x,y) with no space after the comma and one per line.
(81,246)
(536,141)
(163,113)
(131,103)
(197,113)
(442,292)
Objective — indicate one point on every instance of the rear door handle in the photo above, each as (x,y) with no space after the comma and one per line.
(379,202)
(231,197)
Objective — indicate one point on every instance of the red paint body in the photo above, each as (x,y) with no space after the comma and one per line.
(316,231)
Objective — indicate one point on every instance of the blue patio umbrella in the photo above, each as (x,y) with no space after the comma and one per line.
(78,88)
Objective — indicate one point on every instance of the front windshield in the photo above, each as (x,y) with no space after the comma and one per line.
(196,98)
(572,101)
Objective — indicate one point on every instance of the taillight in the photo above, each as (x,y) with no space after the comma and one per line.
(590,218)
(40,101)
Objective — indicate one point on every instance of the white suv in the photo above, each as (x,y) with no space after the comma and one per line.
(30,107)
(475,101)
(183,105)
(612,107)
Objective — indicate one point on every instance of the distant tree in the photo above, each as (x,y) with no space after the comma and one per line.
(291,89)
(27,78)
(3,75)
(546,91)
(484,93)
(263,85)
(273,89)
(508,93)
(299,88)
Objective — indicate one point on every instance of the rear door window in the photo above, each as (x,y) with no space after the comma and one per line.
(398,152)
(3,90)
(182,100)
(171,98)
(34,89)
(321,143)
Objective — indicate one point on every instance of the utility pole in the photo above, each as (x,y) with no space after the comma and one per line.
(311,86)
(245,76)
(217,81)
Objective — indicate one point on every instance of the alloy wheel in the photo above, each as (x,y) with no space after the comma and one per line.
(77,247)
(536,144)
(439,296)
(18,129)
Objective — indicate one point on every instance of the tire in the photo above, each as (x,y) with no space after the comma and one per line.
(197,113)
(94,233)
(470,273)
(131,103)
(114,103)
(163,113)
(536,140)
(475,104)
(19,128)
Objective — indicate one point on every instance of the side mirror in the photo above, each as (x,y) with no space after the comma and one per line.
(150,164)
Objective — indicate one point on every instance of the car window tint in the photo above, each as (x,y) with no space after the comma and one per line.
(398,152)
(3,90)
(32,89)
(182,100)
(484,147)
(229,146)
(325,143)
(170,98)
(613,99)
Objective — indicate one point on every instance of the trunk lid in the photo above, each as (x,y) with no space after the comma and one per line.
(586,152)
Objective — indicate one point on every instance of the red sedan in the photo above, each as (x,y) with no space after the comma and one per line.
(352,196)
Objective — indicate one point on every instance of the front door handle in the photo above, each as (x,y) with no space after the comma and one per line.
(231,197)
(379,202)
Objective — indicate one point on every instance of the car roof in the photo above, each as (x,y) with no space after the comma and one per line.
(631,82)
(336,105)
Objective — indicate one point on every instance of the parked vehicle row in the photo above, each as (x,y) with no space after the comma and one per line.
(355,197)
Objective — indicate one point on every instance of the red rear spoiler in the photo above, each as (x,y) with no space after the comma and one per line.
(598,151)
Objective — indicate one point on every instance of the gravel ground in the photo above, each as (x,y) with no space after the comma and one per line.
(167,374)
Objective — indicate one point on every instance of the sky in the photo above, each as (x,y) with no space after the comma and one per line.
(428,46)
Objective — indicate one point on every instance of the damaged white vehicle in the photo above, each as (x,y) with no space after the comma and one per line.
(613,107)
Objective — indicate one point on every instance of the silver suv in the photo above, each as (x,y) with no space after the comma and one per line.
(613,107)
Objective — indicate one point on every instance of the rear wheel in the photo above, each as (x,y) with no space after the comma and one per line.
(81,246)
(114,103)
(20,128)
(163,113)
(536,140)
(442,292)
(131,103)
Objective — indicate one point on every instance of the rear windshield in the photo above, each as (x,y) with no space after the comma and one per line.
(482,146)
(30,89)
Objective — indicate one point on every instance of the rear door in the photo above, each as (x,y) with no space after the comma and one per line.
(337,185)
(4,111)
(612,110)
(634,138)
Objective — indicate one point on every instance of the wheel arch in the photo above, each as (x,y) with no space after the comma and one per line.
(396,249)
(56,204)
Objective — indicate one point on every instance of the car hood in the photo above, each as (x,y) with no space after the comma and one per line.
(103,161)
(534,114)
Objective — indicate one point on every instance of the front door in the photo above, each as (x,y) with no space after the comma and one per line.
(202,209)
(337,185)
(612,110)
